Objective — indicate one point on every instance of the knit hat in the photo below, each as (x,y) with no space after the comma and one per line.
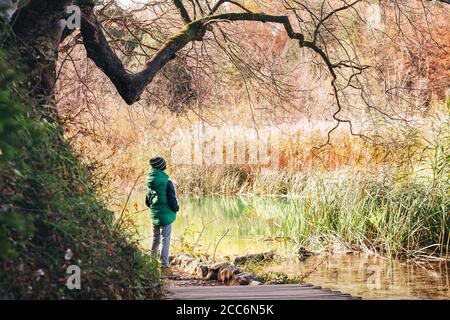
(158,163)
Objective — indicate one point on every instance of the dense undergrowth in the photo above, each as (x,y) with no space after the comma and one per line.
(403,216)
(51,216)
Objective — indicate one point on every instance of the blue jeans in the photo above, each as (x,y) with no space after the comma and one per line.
(164,233)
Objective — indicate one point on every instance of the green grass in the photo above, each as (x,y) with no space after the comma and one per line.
(392,217)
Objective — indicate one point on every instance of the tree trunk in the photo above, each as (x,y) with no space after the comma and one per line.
(38,27)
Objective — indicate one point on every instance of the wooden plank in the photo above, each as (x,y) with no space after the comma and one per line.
(266,298)
(257,292)
(265,294)
(282,292)
(220,289)
(262,297)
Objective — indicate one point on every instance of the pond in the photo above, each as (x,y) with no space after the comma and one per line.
(371,277)
(220,226)
(225,225)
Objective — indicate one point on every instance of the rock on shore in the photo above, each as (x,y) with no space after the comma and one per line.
(224,272)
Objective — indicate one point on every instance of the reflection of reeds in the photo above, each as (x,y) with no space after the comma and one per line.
(281,277)
(218,243)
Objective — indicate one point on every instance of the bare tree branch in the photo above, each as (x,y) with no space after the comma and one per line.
(184,14)
(131,85)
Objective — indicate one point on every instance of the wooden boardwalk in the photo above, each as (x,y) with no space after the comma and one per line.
(262,292)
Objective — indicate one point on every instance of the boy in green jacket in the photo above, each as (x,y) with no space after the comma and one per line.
(163,204)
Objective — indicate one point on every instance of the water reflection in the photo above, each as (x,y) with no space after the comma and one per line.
(372,277)
(239,225)
(226,224)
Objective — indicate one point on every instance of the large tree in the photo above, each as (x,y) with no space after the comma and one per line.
(40,29)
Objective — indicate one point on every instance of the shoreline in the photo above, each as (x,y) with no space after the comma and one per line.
(356,273)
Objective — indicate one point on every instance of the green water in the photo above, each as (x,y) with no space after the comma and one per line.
(231,225)
(226,225)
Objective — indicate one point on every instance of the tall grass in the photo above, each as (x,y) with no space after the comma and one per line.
(390,215)
(392,197)
(398,207)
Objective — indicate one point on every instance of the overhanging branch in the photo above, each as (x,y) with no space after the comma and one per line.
(131,85)
(183,12)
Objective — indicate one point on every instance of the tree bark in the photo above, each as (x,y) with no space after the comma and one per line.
(38,27)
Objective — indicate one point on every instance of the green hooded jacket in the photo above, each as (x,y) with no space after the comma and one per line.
(160,211)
